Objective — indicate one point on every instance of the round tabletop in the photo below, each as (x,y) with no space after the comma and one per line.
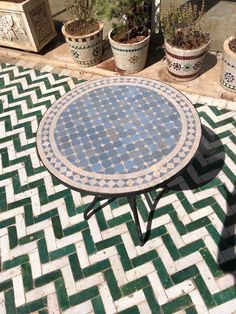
(118,135)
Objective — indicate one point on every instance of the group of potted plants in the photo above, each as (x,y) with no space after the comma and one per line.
(185,42)
(27,24)
(129,38)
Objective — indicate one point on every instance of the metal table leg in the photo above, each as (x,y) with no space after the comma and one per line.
(133,205)
(90,210)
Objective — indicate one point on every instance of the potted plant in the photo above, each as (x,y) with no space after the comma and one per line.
(26,24)
(129,37)
(186,43)
(83,32)
(228,70)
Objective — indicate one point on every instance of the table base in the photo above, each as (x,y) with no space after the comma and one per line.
(92,209)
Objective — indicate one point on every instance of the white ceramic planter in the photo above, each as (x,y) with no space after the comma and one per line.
(86,50)
(228,69)
(27,25)
(130,58)
(185,64)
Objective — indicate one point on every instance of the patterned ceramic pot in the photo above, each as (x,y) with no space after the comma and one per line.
(86,50)
(228,69)
(130,58)
(185,64)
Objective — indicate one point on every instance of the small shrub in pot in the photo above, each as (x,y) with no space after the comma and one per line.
(83,32)
(186,43)
(130,35)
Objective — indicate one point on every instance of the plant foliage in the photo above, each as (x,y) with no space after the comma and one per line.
(82,13)
(181,25)
(131,15)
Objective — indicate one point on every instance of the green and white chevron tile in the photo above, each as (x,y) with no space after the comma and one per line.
(52,261)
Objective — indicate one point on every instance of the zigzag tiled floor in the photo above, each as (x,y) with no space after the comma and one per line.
(53,261)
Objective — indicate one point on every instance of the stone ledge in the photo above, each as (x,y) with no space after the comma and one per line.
(58,55)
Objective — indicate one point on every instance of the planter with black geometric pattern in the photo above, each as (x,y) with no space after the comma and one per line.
(86,50)
(130,58)
(228,69)
(185,64)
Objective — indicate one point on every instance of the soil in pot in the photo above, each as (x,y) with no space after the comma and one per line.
(232,45)
(77,28)
(124,37)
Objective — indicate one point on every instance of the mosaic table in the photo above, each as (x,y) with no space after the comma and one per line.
(118,136)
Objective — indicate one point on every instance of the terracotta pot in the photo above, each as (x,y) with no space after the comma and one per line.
(130,58)
(185,64)
(27,25)
(86,50)
(228,69)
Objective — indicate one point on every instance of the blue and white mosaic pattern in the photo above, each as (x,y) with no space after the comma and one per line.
(118,135)
(119,132)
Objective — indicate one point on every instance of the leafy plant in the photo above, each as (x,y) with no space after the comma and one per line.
(81,13)
(181,25)
(131,17)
